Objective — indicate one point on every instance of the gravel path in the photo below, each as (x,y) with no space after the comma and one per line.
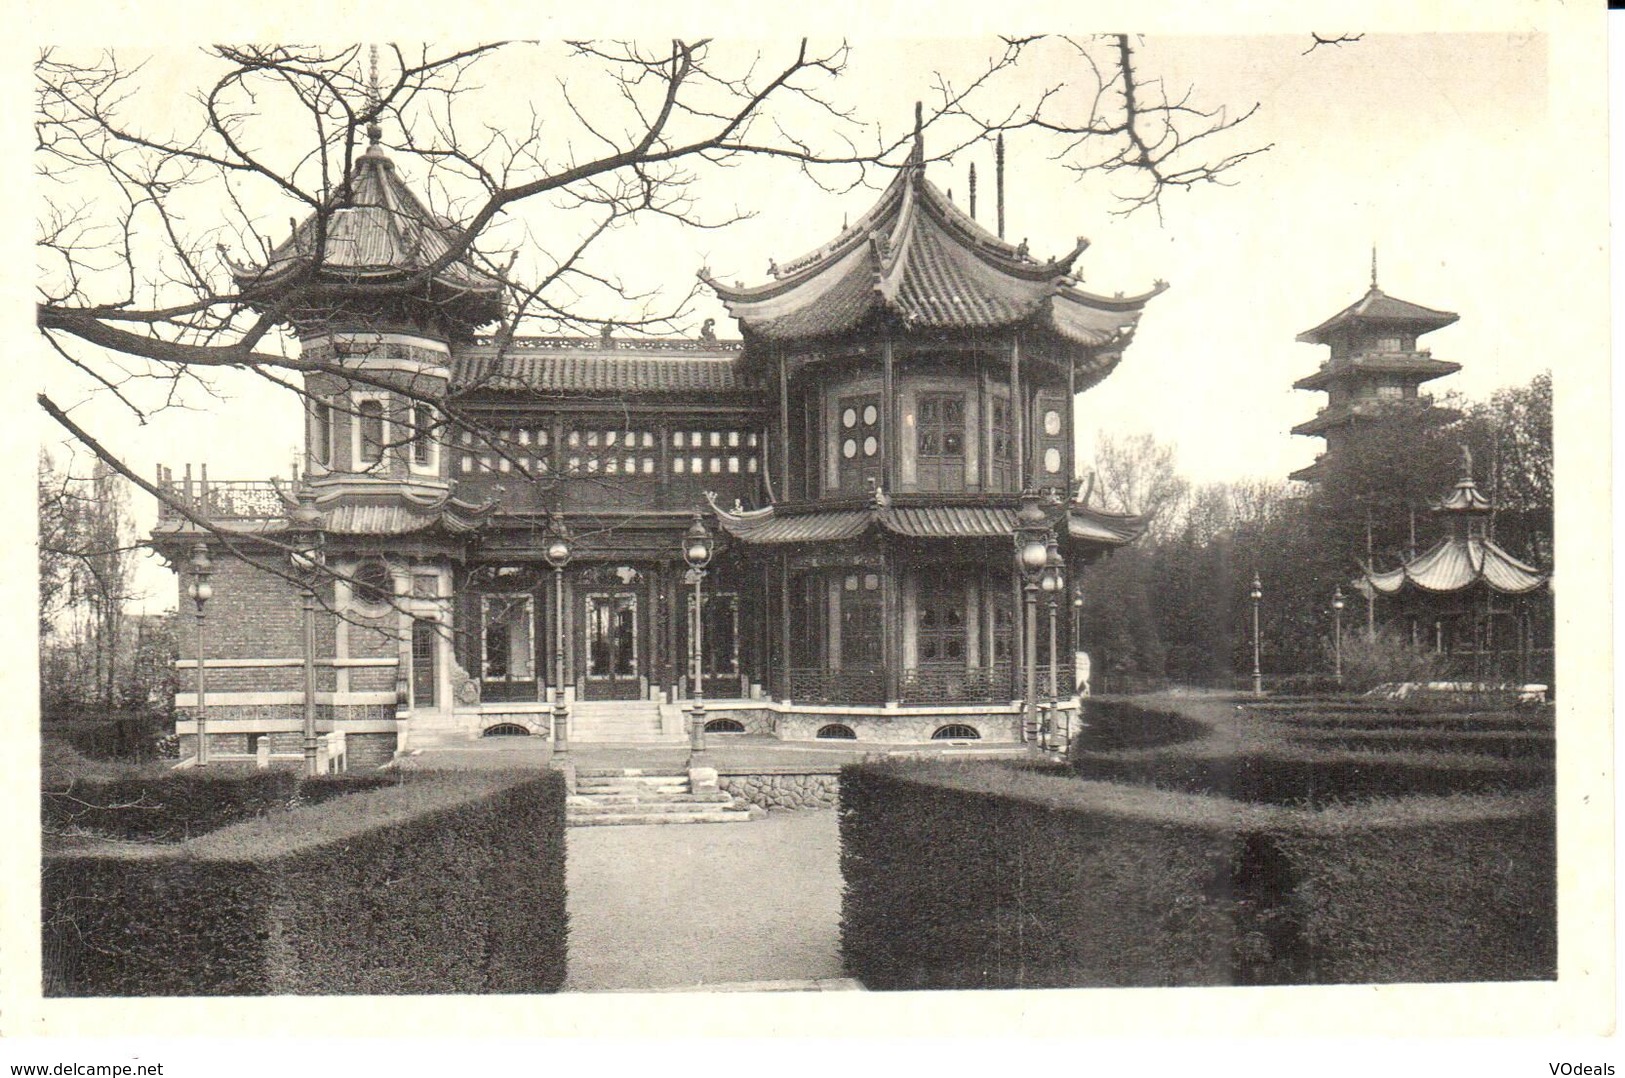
(703,904)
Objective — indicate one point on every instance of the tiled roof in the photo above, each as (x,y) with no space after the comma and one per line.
(1457,563)
(372,514)
(768,527)
(381,232)
(591,365)
(915,257)
(1378,306)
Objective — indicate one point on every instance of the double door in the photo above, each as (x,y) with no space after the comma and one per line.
(613,646)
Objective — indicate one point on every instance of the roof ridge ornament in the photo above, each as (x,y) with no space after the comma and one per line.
(375,102)
(1374,287)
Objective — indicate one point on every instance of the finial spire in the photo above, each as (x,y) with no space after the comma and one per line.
(1373,267)
(374,98)
(973,190)
(918,155)
(998,179)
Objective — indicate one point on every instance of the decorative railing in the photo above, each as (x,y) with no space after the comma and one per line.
(923,685)
(230,499)
(605,344)
(957,684)
(816,685)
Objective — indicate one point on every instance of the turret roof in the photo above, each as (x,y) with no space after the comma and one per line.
(377,231)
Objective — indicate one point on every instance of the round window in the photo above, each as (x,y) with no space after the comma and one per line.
(849,418)
(870,415)
(1052,422)
(870,446)
(849,448)
(1052,460)
(371,583)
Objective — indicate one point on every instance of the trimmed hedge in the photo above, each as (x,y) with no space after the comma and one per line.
(170,806)
(980,876)
(1119,724)
(441,884)
(130,735)
(1282,776)
(1502,744)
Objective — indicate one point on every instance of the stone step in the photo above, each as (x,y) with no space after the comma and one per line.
(630,820)
(652,778)
(636,808)
(599,798)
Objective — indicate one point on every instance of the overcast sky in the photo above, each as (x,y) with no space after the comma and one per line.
(1437,149)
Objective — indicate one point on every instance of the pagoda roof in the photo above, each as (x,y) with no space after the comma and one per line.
(1424,367)
(917,259)
(378,231)
(939,519)
(1457,563)
(1377,306)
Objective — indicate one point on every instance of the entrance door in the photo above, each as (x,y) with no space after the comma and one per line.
(612,666)
(425,641)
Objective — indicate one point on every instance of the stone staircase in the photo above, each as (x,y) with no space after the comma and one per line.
(625,796)
(624,721)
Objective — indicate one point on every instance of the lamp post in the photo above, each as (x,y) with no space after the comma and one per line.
(558,555)
(1337,634)
(1258,676)
(307,563)
(201,592)
(1032,555)
(1053,582)
(697,550)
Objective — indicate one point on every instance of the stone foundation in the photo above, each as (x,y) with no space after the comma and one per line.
(784,790)
(901,728)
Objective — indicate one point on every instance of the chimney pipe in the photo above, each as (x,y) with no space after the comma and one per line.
(998,180)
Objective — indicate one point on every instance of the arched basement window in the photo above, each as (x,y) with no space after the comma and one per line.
(506,729)
(724,726)
(956,731)
(836,732)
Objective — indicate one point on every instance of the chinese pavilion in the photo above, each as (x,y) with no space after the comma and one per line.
(1489,612)
(505,521)
(1374,360)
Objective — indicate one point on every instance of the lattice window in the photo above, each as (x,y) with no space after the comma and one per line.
(724,726)
(956,731)
(940,431)
(836,731)
(423,432)
(940,625)
(726,451)
(609,452)
(321,434)
(511,450)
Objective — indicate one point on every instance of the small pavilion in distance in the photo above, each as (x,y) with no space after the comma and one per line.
(1490,612)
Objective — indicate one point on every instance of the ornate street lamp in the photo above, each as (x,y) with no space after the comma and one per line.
(1053,583)
(558,554)
(1033,537)
(1258,677)
(1337,633)
(697,549)
(307,563)
(201,591)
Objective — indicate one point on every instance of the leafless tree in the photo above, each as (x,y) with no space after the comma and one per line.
(151,209)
